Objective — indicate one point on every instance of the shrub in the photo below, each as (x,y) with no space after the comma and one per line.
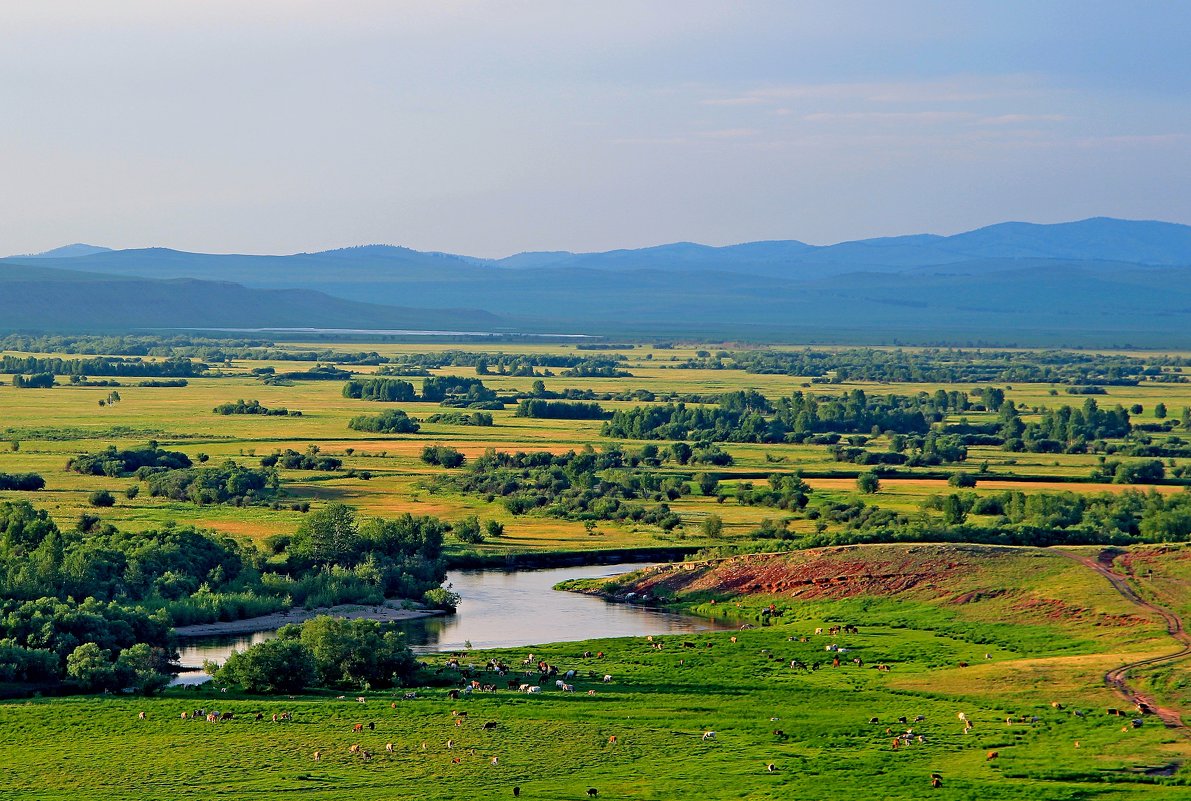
(102,498)
(393,421)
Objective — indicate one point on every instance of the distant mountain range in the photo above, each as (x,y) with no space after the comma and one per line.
(47,299)
(1100,281)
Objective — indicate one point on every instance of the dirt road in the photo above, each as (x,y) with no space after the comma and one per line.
(1118,678)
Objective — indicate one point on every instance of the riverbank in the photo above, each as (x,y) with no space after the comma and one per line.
(388,612)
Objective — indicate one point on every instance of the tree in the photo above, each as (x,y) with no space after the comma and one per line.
(713,527)
(468,530)
(1160,410)
(144,668)
(494,529)
(869,483)
(102,498)
(327,536)
(356,653)
(708,482)
(681,452)
(966,480)
(279,665)
(954,513)
(91,668)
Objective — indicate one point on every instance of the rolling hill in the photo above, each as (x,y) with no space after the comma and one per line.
(1094,282)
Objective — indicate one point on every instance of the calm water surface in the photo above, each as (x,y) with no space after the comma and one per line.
(501,609)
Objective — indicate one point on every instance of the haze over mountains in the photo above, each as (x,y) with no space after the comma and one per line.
(1098,281)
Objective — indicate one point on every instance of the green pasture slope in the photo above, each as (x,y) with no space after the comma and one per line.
(556,745)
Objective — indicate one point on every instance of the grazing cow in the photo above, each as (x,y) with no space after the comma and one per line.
(185,715)
(371,726)
(962,716)
(450,744)
(963,664)
(1056,705)
(591,692)
(592,792)
(140,716)
(936,781)
(490,726)
(534,689)
(367,755)
(389,747)
(919,718)
(317,755)
(568,688)
(355,749)
(607,678)
(516,792)
(599,655)
(359,699)
(819,630)
(569,675)
(226,716)
(259,717)
(873,720)
(991,756)
(708,735)
(453,695)
(732,638)
(902,719)
(456,760)
(1114,712)
(358,727)
(458,722)
(612,740)
(771,767)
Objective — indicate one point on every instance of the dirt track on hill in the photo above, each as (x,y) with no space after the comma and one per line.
(1118,678)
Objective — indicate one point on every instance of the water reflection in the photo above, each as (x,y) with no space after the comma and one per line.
(501,609)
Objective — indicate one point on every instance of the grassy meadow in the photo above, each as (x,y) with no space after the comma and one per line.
(51,425)
(813,726)
(994,633)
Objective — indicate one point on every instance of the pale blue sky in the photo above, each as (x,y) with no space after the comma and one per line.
(490,128)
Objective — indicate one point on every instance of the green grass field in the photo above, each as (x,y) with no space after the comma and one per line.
(556,745)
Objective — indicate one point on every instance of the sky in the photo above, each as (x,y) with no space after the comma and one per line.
(493,128)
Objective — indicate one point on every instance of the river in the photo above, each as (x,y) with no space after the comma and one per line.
(500,609)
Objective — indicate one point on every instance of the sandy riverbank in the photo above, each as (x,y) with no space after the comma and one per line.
(390,611)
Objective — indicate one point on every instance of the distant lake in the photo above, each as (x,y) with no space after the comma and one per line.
(385,332)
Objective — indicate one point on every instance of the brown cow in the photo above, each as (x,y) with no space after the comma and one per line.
(991,756)
(358,727)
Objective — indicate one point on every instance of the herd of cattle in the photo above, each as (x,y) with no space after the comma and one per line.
(533,675)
